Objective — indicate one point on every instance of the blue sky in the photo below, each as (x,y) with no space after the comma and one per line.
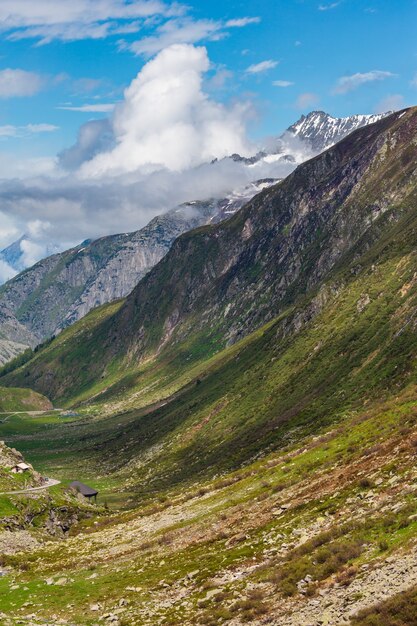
(307,43)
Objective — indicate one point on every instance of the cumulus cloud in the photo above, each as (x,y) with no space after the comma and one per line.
(352,82)
(414,81)
(263,66)
(166,120)
(17,83)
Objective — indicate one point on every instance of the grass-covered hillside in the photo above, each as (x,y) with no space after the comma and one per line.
(18,399)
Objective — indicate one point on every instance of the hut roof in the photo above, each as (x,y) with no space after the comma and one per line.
(85,490)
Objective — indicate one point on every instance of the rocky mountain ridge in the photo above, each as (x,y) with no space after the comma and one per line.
(322,130)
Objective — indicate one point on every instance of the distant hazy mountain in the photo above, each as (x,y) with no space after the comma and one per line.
(14,255)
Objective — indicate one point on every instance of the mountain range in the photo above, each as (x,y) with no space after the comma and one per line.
(62,288)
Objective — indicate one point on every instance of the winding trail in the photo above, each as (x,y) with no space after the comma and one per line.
(49,483)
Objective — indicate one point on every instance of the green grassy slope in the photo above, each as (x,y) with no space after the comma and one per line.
(18,399)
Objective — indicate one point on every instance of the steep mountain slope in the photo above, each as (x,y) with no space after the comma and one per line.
(70,284)
(220,282)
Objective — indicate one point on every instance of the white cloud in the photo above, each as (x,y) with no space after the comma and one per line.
(329,7)
(19,83)
(89,108)
(166,120)
(282,83)
(14,166)
(243,21)
(220,78)
(394,102)
(78,19)
(8,131)
(185,30)
(306,100)
(413,82)
(32,252)
(6,271)
(22,131)
(352,82)
(93,137)
(263,66)
(41,128)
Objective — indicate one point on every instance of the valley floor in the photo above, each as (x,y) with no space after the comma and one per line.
(311,535)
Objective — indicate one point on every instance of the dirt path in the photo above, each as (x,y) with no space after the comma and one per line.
(50,483)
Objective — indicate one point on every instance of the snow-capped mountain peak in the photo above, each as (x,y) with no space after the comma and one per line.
(322,130)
